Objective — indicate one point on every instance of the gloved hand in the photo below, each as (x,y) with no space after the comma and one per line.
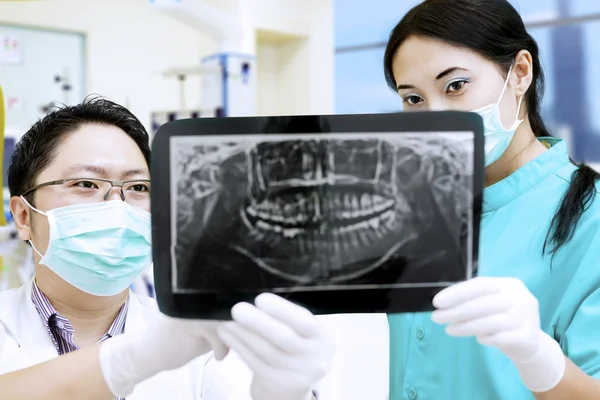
(168,344)
(502,312)
(283,344)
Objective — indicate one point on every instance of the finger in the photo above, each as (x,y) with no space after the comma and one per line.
(504,339)
(482,326)
(221,352)
(260,346)
(208,332)
(254,362)
(266,326)
(465,291)
(220,349)
(489,340)
(470,310)
(298,318)
(205,332)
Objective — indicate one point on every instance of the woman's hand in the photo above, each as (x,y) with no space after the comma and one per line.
(502,312)
(283,344)
(499,312)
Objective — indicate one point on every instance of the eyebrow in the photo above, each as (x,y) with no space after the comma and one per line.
(437,78)
(103,171)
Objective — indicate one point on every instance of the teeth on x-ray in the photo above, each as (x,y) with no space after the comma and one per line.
(310,208)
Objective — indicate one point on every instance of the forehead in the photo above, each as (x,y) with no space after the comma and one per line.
(424,58)
(104,146)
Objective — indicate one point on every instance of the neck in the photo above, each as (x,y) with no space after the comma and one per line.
(91,316)
(524,148)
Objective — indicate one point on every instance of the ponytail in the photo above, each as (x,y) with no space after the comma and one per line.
(578,198)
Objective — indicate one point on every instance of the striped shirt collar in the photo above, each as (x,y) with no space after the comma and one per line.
(55,322)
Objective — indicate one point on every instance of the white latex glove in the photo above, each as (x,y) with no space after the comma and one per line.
(168,344)
(283,344)
(501,312)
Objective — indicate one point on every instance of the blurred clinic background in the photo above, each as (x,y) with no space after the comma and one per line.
(171,59)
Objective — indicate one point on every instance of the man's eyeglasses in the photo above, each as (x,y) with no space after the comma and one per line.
(135,192)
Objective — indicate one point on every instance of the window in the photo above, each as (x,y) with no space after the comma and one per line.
(536,10)
(570,54)
(583,7)
(549,10)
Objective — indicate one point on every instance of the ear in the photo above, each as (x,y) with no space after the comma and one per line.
(22,216)
(522,73)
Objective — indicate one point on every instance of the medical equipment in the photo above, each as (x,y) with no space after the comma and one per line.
(228,89)
(65,87)
(228,77)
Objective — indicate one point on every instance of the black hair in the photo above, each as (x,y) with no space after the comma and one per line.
(495,30)
(38,147)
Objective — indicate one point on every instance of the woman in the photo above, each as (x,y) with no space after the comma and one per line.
(529,326)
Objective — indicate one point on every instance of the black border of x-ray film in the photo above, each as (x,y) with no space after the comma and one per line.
(216,305)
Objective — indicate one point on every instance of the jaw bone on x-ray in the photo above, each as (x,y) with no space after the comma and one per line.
(329,212)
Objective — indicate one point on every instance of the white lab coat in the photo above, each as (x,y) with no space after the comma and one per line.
(24,342)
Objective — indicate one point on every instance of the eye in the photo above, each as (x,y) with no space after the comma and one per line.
(412,99)
(140,187)
(86,184)
(456,86)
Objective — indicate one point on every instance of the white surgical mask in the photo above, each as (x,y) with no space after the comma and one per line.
(497,138)
(98,248)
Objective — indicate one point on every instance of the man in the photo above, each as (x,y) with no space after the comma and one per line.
(80,195)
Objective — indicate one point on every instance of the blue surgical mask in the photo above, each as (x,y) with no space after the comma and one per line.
(98,248)
(497,138)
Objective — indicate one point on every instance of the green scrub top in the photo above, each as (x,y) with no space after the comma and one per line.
(427,364)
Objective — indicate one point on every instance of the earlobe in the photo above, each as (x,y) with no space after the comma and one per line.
(21,216)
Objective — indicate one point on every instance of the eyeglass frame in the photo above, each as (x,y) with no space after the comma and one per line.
(113,183)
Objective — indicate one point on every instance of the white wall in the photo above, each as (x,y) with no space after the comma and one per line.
(267,55)
(283,72)
(305,65)
(130,44)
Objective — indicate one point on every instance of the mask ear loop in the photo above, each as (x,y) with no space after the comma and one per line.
(39,212)
(505,84)
(517,120)
(32,207)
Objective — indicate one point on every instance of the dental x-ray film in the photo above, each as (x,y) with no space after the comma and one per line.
(341,214)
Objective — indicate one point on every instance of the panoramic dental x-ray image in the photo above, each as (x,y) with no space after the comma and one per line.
(311,212)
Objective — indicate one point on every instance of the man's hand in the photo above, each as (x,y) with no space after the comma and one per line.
(283,344)
(128,359)
(501,312)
